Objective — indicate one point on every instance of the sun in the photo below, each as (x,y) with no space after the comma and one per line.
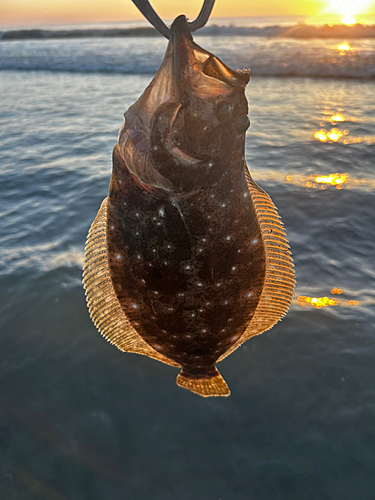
(348,9)
(348,19)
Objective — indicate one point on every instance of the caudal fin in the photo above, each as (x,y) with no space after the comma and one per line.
(206,387)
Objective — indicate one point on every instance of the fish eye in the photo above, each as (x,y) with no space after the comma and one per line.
(243,123)
(223,110)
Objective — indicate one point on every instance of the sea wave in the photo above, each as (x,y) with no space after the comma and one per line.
(276,57)
(300,30)
(258,66)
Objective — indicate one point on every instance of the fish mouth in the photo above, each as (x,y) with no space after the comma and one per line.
(198,76)
(196,69)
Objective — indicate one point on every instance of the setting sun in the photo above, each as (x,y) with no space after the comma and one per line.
(348,20)
(348,9)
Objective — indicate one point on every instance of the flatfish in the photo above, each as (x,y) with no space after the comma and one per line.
(187,257)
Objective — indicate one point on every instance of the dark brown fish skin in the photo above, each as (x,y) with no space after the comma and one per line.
(189,277)
(188,266)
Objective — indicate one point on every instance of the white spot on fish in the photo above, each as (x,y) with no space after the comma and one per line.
(223,205)
(245,195)
(255,242)
(135,306)
(228,238)
(118,256)
(249,294)
(161,212)
(199,284)
(234,268)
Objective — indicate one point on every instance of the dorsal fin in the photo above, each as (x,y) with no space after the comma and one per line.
(279,280)
(105,309)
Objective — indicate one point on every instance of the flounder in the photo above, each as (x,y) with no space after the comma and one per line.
(187,257)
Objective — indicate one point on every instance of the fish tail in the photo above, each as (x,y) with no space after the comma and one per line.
(205,387)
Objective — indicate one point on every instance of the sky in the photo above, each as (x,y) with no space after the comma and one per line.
(34,12)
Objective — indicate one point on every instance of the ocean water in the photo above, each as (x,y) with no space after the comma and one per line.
(81,420)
